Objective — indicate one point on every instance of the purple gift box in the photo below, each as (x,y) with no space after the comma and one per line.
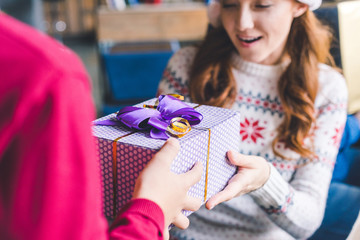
(208,142)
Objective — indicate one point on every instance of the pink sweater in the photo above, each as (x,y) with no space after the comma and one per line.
(49,175)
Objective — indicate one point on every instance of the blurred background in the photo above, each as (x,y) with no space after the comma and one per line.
(124,44)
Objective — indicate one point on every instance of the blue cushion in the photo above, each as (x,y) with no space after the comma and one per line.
(134,75)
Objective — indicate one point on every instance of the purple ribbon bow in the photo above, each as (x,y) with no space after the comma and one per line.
(157,120)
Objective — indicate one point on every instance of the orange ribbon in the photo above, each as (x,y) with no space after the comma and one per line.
(114,151)
(207,166)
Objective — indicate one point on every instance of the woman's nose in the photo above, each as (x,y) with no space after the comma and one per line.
(245,19)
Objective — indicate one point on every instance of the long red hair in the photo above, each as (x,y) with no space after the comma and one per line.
(308,44)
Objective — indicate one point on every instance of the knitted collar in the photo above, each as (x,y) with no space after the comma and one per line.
(258,70)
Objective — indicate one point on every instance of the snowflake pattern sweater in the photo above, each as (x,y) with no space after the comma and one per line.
(291,204)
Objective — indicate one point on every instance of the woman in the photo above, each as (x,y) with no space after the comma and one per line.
(270,60)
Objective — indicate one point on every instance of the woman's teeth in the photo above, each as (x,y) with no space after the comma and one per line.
(249,40)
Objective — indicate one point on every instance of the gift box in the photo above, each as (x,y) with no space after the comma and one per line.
(124,152)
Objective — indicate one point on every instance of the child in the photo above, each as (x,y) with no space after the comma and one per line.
(49,173)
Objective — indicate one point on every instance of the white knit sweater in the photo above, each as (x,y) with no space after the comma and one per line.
(291,204)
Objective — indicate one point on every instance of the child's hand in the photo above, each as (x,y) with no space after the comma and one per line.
(158,184)
(252,173)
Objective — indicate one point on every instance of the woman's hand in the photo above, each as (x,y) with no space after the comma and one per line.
(252,173)
(167,189)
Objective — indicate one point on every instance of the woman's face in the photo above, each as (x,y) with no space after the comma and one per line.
(259,28)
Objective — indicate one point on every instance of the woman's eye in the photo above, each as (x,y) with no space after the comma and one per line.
(263,5)
(229,5)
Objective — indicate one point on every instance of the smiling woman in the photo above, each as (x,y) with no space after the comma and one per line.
(270,60)
(259,29)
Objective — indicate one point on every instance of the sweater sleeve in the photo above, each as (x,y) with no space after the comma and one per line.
(298,206)
(139,219)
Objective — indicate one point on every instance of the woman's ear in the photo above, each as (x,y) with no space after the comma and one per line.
(300,9)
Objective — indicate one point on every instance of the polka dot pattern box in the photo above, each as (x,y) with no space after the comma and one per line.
(131,150)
